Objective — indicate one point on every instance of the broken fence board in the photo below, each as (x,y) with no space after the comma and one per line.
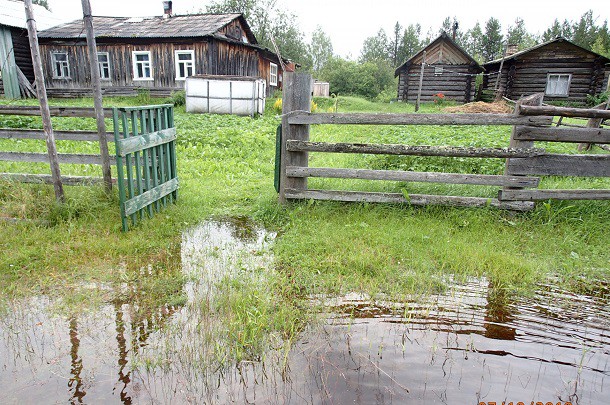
(413,199)
(542,195)
(393,149)
(426,177)
(90,136)
(304,118)
(572,135)
(561,165)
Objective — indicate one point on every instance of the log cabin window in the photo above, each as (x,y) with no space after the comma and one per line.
(61,67)
(185,64)
(272,74)
(142,69)
(438,70)
(558,84)
(103,61)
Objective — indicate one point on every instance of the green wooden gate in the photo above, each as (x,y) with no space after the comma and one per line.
(146,160)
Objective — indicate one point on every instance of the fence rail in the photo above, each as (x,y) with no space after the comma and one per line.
(524,162)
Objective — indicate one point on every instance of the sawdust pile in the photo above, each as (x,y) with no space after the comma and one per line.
(498,107)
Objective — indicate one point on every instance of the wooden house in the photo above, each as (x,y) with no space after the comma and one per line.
(448,69)
(16,67)
(560,69)
(155,53)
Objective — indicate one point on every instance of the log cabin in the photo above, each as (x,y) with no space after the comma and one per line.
(155,54)
(562,70)
(16,68)
(448,69)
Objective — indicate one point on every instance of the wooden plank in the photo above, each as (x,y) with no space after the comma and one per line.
(46,179)
(563,112)
(394,149)
(555,134)
(425,177)
(64,158)
(83,112)
(141,201)
(141,142)
(303,118)
(542,195)
(413,199)
(562,165)
(90,136)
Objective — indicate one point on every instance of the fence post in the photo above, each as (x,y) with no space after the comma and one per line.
(534,99)
(296,97)
(44,103)
(97,94)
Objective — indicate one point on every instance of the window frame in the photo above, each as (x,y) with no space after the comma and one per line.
(100,65)
(272,75)
(135,63)
(558,75)
(177,62)
(64,64)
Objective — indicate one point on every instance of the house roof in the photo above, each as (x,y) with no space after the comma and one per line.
(177,26)
(558,39)
(446,38)
(12,14)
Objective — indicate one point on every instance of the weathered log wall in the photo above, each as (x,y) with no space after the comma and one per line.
(456,82)
(212,56)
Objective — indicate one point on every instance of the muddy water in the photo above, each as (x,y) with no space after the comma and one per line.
(470,344)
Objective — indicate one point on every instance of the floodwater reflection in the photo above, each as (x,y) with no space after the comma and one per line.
(469,344)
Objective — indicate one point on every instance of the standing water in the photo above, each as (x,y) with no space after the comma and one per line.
(470,344)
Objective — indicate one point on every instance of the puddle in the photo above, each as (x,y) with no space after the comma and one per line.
(467,345)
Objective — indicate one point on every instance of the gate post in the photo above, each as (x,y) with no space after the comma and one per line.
(296,97)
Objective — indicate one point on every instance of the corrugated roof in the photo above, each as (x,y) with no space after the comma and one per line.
(12,14)
(193,25)
(558,39)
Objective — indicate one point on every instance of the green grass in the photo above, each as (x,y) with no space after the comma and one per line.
(225,166)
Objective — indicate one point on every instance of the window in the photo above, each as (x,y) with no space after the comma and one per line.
(272,74)
(438,70)
(61,68)
(558,84)
(185,64)
(103,61)
(142,69)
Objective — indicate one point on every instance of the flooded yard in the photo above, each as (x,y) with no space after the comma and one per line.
(470,344)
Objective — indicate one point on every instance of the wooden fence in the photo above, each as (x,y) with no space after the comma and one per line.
(38,134)
(531,123)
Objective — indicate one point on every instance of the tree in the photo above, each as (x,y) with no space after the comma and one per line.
(473,43)
(320,49)
(558,30)
(42,3)
(585,31)
(376,49)
(518,35)
(361,79)
(492,40)
(410,43)
(396,43)
(268,23)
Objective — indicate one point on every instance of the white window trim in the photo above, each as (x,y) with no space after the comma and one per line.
(100,67)
(548,78)
(54,63)
(271,75)
(135,66)
(177,61)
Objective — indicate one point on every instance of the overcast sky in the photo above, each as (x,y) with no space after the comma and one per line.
(349,22)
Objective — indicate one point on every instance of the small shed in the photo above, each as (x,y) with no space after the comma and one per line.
(560,69)
(448,69)
(155,54)
(16,68)
(321,89)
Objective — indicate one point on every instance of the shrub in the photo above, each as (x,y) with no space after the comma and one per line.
(597,99)
(439,99)
(277,106)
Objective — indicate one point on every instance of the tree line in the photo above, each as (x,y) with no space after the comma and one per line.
(372,74)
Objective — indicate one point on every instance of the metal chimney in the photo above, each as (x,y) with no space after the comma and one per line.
(167,9)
